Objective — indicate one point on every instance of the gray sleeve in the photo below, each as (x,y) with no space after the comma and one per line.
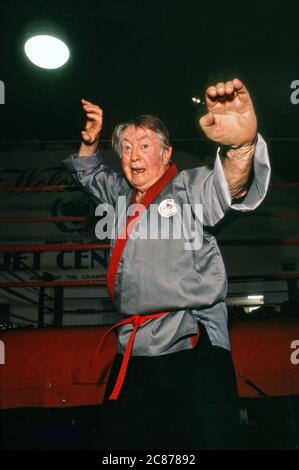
(208,186)
(96,177)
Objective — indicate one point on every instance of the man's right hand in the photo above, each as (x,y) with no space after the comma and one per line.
(93,127)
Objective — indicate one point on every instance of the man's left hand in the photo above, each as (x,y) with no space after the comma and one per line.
(231,119)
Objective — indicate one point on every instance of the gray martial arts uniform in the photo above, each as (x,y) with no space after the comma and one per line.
(159,275)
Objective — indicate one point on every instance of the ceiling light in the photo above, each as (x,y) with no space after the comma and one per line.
(45,46)
(255,297)
(196,100)
(251,309)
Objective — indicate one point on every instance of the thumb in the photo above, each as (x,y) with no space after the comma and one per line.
(207,120)
(86,136)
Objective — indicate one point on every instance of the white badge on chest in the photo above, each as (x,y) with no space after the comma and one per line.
(167,208)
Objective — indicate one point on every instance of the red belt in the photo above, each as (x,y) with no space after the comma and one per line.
(137,321)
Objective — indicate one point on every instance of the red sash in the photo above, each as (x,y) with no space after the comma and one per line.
(120,244)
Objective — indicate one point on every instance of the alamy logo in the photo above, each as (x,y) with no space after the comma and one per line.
(2,352)
(295,94)
(2,92)
(295,354)
(166,221)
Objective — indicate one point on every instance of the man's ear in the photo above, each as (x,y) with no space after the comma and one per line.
(167,154)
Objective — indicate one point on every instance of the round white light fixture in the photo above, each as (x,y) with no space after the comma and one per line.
(46,49)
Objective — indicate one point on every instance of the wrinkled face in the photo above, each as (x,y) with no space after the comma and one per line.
(143,158)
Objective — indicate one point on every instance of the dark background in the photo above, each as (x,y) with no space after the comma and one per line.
(152,57)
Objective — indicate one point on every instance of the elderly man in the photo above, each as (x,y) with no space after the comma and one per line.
(172,382)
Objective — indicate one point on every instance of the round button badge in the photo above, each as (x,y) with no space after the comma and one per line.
(167,208)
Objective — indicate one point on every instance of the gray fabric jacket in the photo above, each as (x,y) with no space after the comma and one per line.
(159,275)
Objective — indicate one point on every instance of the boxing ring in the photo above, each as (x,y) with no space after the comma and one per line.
(35,376)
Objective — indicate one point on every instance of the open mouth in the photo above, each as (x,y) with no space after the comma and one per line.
(138,171)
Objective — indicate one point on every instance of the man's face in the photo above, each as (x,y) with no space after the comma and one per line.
(143,159)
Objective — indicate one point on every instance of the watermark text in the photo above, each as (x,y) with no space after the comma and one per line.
(2,353)
(295,354)
(295,94)
(164,221)
(2,92)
